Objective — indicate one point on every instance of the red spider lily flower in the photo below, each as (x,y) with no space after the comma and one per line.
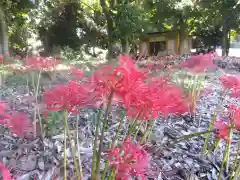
(199,63)
(75,72)
(69,97)
(6,175)
(120,79)
(129,160)
(235,116)
(157,96)
(3,115)
(236,92)
(222,130)
(231,82)
(19,124)
(2,107)
(40,63)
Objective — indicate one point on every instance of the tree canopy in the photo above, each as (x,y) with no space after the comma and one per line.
(102,23)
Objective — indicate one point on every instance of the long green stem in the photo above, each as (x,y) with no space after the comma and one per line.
(228,148)
(151,128)
(189,136)
(78,146)
(94,158)
(222,165)
(237,174)
(118,130)
(111,175)
(133,124)
(234,169)
(65,154)
(105,171)
(105,121)
(216,145)
(37,110)
(210,128)
(147,132)
(211,125)
(33,81)
(72,149)
(226,154)
(139,128)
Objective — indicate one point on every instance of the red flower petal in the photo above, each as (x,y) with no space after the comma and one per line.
(6,175)
(230,81)
(129,160)
(222,130)
(19,124)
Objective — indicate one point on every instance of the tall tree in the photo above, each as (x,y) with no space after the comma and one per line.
(15,11)
(224,14)
(4,33)
(125,19)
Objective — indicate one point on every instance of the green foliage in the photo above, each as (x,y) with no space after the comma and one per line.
(53,123)
(60,29)
(130,19)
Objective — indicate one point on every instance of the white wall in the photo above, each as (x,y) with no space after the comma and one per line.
(171,46)
(143,48)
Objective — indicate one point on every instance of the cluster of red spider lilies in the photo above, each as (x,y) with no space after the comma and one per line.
(143,97)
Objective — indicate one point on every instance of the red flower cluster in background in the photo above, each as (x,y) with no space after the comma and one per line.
(129,160)
(18,123)
(69,97)
(6,175)
(138,93)
(199,63)
(234,113)
(40,63)
(154,97)
(232,83)
(132,87)
(222,130)
(121,79)
(233,120)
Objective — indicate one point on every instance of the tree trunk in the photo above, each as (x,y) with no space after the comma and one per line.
(109,19)
(4,33)
(225,38)
(181,43)
(182,36)
(125,46)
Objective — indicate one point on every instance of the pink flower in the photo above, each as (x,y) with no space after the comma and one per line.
(2,107)
(235,116)
(120,79)
(3,115)
(222,130)
(69,97)
(199,63)
(231,82)
(6,175)
(40,63)
(154,97)
(129,160)
(19,124)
